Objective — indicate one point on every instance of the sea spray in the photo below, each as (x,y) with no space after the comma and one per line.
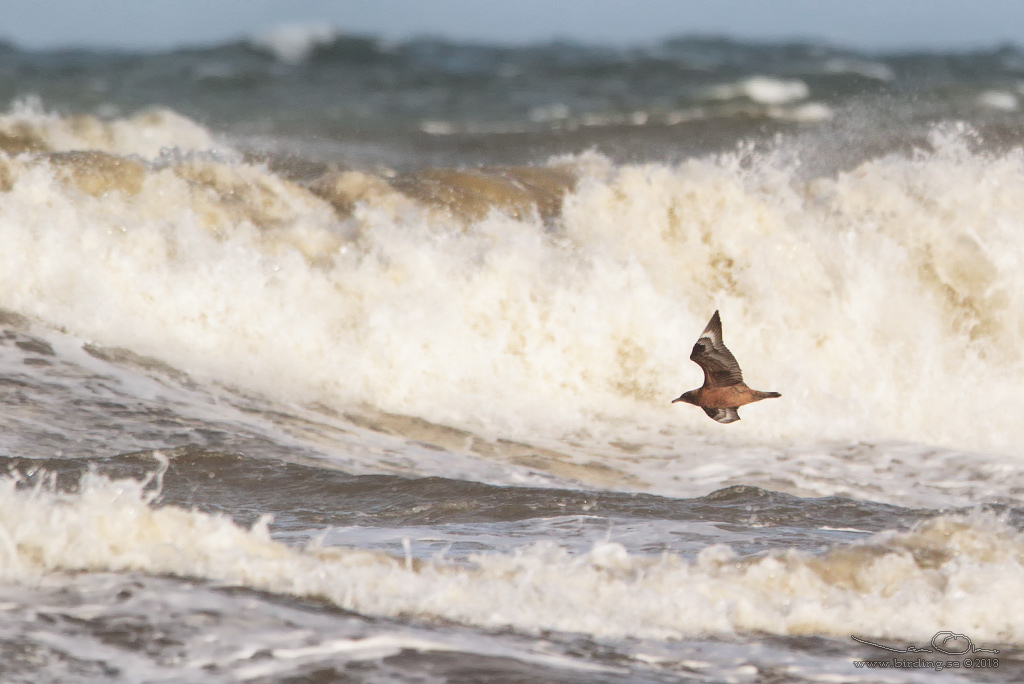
(862,297)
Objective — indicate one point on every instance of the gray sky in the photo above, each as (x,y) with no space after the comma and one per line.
(870,24)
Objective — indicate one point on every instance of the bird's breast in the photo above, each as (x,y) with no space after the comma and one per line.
(726,397)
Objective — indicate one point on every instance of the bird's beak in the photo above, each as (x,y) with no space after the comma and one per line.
(675,400)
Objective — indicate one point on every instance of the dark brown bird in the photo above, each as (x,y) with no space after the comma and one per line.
(724,390)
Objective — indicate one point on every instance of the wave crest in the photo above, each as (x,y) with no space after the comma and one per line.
(551,299)
(895,584)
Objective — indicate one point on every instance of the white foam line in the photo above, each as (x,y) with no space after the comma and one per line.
(386,645)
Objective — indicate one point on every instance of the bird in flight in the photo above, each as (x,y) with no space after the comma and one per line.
(724,390)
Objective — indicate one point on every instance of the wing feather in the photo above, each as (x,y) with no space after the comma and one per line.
(722,415)
(710,353)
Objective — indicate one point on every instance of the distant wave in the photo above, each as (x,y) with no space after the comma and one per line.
(771,91)
(365,91)
(293,43)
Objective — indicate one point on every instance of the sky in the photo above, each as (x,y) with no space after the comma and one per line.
(865,24)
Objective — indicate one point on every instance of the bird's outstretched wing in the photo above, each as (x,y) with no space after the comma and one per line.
(710,353)
(723,415)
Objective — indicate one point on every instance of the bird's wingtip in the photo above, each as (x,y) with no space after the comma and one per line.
(714,325)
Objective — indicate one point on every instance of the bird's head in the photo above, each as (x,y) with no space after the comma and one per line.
(689,397)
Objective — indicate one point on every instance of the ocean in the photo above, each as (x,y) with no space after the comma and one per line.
(327,358)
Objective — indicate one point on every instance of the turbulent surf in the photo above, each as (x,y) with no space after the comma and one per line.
(302,375)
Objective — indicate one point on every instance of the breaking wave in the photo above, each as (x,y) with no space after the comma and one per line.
(893,584)
(883,302)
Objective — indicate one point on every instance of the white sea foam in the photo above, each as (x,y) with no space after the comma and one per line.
(147,134)
(804,112)
(998,99)
(292,43)
(763,90)
(884,303)
(891,585)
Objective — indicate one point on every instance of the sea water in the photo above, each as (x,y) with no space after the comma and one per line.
(330,359)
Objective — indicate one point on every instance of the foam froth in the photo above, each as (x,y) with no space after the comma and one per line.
(891,585)
(870,299)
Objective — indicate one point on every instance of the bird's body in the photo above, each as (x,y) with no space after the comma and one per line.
(723,390)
